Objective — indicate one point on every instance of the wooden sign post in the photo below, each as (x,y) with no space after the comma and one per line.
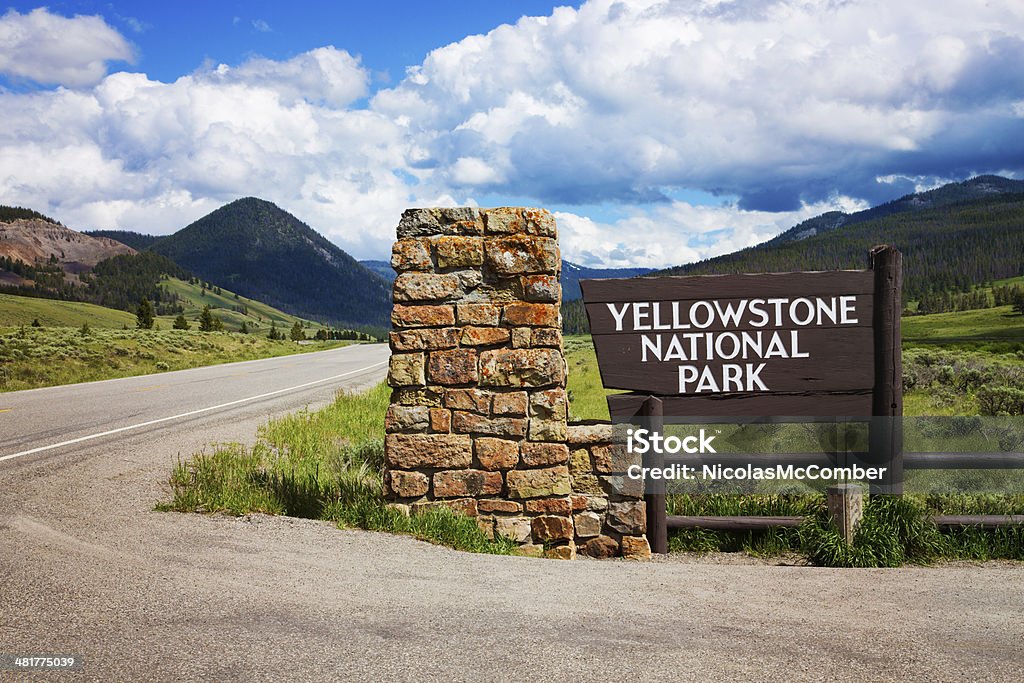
(756,346)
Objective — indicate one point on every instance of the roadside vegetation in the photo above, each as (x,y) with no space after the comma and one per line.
(325,464)
(33,357)
(46,342)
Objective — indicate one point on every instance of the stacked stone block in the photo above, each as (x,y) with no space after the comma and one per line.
(609,515)
(479,414)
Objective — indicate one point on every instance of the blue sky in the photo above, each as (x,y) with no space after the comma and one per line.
(658,132)
(175,38)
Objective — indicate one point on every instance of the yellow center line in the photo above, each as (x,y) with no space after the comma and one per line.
(6,410)
(155,386)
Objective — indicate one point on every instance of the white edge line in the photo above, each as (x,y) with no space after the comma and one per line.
(188,414)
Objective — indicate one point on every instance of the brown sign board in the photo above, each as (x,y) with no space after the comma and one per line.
(771,344)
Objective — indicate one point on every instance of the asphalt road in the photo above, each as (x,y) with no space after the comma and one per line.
(88,568)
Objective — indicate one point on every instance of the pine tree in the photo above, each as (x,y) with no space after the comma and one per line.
(144,315)
(297,334)
(208,322)
(180,323)
(274,333)
(1018,303)
(244,329)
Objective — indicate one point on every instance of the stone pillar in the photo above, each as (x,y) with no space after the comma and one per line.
(478,415)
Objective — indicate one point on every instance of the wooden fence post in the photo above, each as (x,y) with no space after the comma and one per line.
(886,436)
(657,521)
(846,507)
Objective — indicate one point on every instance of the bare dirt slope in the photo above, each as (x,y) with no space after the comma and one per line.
(34,240)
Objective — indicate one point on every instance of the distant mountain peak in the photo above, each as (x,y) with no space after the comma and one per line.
(255,248)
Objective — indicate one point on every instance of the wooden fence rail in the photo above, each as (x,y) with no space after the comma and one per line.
(760,523)
(659,521)
(911,461)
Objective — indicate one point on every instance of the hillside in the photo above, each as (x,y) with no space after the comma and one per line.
(265,253)
(382,268)
(16,311)
(189,298)
(41,258)
(977,188)
(39,241)
(232,309)
(13,213)
(949,248)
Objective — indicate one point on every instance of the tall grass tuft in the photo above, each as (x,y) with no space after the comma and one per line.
(893,532)
(324,464)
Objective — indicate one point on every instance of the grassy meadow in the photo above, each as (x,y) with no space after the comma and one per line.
(18,311)
(232,309)
(47,342)
(33,357)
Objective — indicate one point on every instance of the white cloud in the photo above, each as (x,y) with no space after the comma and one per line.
(152,156)
(54,50)
(326,75)
(678,232)
(261,25)
(474,171)
(779,102)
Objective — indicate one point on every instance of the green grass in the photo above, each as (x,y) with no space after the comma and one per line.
(325,464)
(32,357)
(586,393)
(894,530)
(16,311)
(22,310)
(997,330)
(259,315)
(58,353)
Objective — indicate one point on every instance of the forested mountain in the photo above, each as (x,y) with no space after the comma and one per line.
(135,240)
(953,238)
(123,281)
(262,252)
(382,268)
(949,248)
(977,188)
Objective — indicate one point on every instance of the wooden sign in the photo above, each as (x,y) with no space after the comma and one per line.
(772,344)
